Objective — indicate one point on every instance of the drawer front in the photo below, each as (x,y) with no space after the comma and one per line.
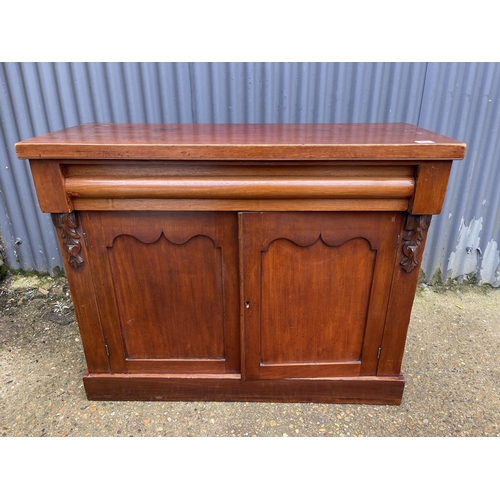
(226,186)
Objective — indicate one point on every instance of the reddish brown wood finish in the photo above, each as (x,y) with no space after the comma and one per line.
(234,187)
(243,262)
(86,307)
(402,292)
(354,205)
(49,180)
(267,187)
(315,291)
(432,179)
(167,285)
(367,390)
(240,141)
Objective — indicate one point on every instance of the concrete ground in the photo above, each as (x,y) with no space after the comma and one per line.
(451,367)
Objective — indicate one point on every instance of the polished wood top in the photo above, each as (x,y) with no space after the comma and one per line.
(379,141)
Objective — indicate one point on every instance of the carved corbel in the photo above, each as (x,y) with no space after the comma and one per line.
(67,225)
(415,231)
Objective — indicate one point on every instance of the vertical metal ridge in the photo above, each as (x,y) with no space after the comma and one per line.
(461,100)
(27,233)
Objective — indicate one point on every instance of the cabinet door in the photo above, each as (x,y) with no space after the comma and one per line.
(167,287)
(315,289)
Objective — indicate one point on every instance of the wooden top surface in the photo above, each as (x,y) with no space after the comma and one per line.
(379,141)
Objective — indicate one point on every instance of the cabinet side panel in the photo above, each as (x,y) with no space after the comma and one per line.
(402,294)
(82,290)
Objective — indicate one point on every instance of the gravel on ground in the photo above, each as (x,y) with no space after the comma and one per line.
(451,368)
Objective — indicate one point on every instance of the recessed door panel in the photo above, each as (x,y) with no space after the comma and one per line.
(311,312)
(168,287)
(314,292)
(178,296)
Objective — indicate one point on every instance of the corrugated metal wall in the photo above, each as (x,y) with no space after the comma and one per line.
(461,100)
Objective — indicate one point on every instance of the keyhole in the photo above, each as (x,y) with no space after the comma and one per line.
(247,305)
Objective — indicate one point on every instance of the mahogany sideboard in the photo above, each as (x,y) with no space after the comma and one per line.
(242,262)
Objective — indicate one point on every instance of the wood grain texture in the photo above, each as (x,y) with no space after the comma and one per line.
(432,180)
(233,187)
(334,316)
(359,390)
(177,297)
(204,168)
(242,141)
(315,288)
(168,290)
(243,262)
(48,177)
(81,284)
(401,296)
(354,205)
(168,185)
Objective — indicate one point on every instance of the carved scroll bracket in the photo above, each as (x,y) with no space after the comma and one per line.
(67,225)
(415,231)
